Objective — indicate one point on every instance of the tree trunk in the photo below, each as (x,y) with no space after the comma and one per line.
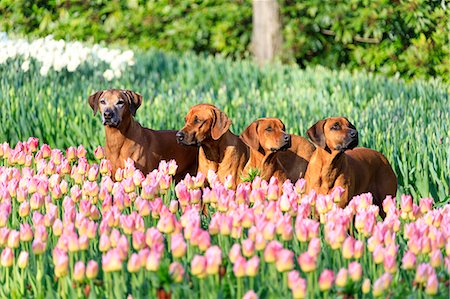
(267,38)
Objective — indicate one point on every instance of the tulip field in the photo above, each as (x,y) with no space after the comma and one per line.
(69,228)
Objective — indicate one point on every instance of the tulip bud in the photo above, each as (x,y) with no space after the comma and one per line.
(92,269)
(326,280)
(176,271)
(341,278)
(78,271)
(198,266)
(355,271)
(7,257)
(366,286)
(22,260)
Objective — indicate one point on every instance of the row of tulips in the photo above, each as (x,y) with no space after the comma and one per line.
(70,228)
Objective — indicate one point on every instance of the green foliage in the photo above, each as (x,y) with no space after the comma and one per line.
(408,122)
(405,37)
(211,26)
(409,38)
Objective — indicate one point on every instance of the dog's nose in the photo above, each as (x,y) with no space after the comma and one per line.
(286,137)
(107,114)
(180,136)
(353,133)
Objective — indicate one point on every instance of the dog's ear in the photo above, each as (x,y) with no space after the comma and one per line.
(250,135)
(221,123)
(134,99)
(350,125)
(316,134)
(283,127)
(93,100)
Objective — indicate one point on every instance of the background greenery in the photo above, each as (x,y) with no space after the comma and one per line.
(405,37)
(408,122)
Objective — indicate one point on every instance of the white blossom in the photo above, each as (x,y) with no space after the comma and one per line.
(57,55)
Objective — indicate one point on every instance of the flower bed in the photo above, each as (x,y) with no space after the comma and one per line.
(68,230)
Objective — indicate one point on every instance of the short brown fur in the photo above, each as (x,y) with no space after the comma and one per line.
(336,162)
(274,152)
(220,150)
(126,138)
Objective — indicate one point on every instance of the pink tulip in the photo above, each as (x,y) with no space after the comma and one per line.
(133,264)
(269,231)
(406,204)
(390,264)
(198,266)
(26,232)
(91,269)
(22,260)
(32,144)
(342,278)
(105,168)
(111,261)
(423,272)
(38,246)
(13,239)
(99,153)
(307,262)
(178,246)
(314,247)
(348,248)
(234,253)
(71,154)
(436,258)
(61,262)
(250,295)
(239,267)
(432,286)
(409,261)
(273,191)
(326,280)
(284,260)
(213,257)
(248,248)
(153,261)
(46,151)
(378,254)
(299,289)
(252,266)
(79,271)
(355,271)
(271,251)
(176,271)
(7,257)
(153,237)
(378,287)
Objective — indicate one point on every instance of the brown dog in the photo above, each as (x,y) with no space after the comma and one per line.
(126,138)
(274,152)
(220,150)
(336,162)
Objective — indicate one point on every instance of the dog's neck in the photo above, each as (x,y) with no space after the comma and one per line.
(117,136)
(328,165)
(214,150)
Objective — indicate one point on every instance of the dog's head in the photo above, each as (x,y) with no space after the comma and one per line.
(203,122)
(334,134)
(115,105)
(266,135)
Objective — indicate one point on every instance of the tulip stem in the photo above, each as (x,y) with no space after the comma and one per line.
(239,287)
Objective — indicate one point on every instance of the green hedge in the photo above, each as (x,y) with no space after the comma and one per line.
(409,38)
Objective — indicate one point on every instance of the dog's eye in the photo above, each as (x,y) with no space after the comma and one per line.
(102,101)
(269,129)
(336,126)
(197,121)
(120,102)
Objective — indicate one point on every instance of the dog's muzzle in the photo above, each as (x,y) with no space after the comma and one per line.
(110,119)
